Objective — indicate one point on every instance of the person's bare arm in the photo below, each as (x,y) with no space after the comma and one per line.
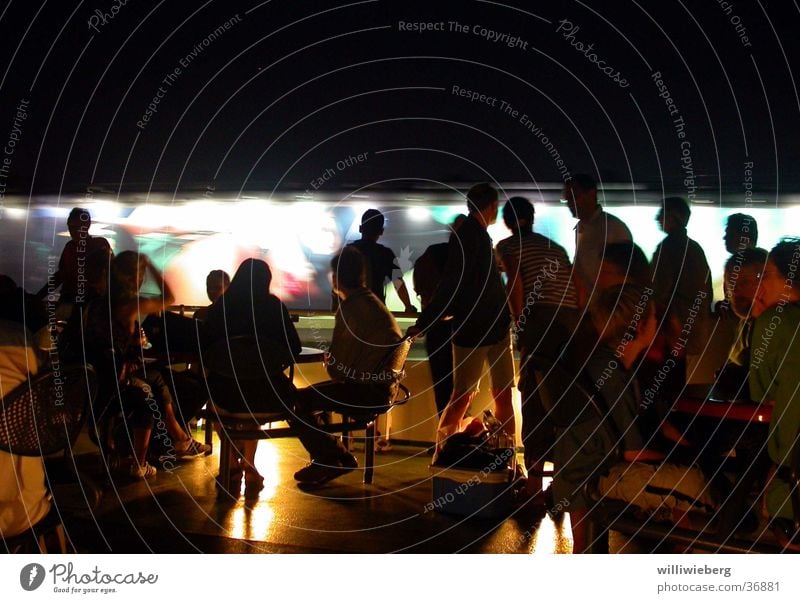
(514,288)
(153,305)
(402,293)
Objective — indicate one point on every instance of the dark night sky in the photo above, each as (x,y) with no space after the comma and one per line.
(293,87)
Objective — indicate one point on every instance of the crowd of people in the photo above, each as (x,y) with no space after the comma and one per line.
(630,330)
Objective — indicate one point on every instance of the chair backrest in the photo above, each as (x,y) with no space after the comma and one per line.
(393,364)
(44,414)
(246,358)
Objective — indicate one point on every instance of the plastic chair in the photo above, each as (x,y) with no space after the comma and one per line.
(41,417)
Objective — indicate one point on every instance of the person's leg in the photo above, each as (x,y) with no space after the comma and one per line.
(252,478)
(177,438)
(323,447)
(538,433)
(438,345)
(161,397)
(188,394)
(467,368)
(501,370)
(580,530)
(330,459)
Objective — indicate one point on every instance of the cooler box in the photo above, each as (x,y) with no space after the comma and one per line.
(471,492)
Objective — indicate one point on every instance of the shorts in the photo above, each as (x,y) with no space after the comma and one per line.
(469,363)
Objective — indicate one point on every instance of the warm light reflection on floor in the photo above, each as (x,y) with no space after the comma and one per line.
(551,536)
(251,518)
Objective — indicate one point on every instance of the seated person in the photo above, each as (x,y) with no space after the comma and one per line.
(248,308)
(217,282)
(610,448)
(364,332)
(775,366)
(23,495)
(112,338)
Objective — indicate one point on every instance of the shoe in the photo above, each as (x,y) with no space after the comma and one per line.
(143,471)
(348,461)
(192,450)
(319,473)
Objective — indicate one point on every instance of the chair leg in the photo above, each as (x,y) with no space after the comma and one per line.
(62,539)
(597,536)
(224,456)
(209,431)
(369,452)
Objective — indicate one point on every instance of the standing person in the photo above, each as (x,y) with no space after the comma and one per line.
(381,261)
(472,292)
(595,229)
(428,271)
(71,275)
(545,308)
(682,282)
(741,235)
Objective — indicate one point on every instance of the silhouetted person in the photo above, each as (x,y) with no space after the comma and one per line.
(381,261)
(681,279)
(472,292)
(545,308)
(595,229)
(428,271)
(741,234)
(363,335)
(72,267)
(217,282)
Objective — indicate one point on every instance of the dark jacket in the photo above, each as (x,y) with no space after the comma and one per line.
(470,290)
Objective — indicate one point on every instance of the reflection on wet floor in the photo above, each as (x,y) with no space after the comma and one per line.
(182,511)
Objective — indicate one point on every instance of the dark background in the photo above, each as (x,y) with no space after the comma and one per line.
(296,86)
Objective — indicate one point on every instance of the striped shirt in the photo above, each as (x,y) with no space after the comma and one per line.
(544,267)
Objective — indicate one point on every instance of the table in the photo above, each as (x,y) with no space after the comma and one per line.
(307,355)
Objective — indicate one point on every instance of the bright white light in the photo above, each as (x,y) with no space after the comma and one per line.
(419,214)
(16,213)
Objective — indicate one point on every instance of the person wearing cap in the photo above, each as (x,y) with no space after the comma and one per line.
(381,261)
(472,292)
